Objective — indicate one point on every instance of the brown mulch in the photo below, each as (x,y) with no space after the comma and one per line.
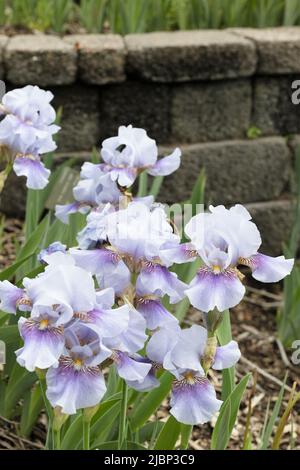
(10,239)
(253,326)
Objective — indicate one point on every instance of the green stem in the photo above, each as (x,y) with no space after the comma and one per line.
(86,434)
(56,438)
(122,424)
(50,436)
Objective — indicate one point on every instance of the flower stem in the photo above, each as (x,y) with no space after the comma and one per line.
(50,436)
(122,424)
(56,439)
(86,434)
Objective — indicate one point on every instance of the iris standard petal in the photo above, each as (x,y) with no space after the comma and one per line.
(189,348)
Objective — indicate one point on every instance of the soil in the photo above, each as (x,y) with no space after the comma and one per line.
(253,326)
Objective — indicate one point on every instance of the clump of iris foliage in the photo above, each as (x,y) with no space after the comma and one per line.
(92,308)
(137,16)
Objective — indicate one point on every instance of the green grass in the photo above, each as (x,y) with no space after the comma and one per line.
(137,16)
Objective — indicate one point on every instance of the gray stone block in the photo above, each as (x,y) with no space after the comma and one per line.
(274,220)
(80,117)
(278,49)
(13,197)
(273,109)
(202,112)
(141,104)
(190,55)
(236,171)
(40,60)
(101,57)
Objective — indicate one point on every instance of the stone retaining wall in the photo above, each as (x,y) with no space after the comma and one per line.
(201,90)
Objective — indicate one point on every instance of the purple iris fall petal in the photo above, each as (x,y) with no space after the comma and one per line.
(78,382)
(63,211)
(226,356)
(269,269)
(194,400)
(156,279)
(155,313)
(73,388)
(43,343)
(149,383)
(130,369)
(35,171)
(10,295)
(167,165)
(209,290)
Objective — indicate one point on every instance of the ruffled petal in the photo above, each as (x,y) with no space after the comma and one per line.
(59,285)
(133,338)
(105,298)
(155,314)
(9,296)
(109,323)
(194,402)
(209,290)
(268,269)
(52,248)
(189,348)
(161,344)
(149,383)
(73,389)
(42,347)
(167,165)
(35,171)
(62,212)
(226,356)
(156,279)
(129,369)
(124,176)
(179,253)
(109,269)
